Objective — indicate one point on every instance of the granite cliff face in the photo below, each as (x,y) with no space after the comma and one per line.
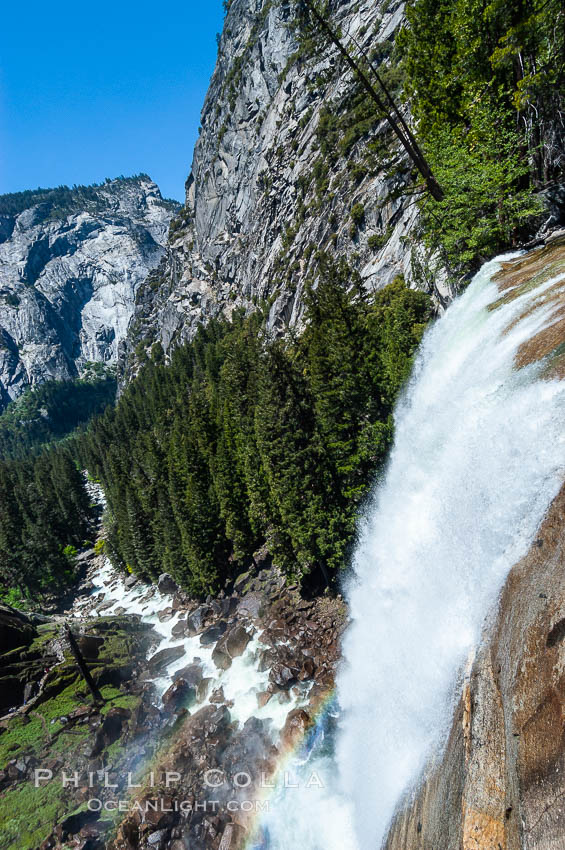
(70,264)
(272,183)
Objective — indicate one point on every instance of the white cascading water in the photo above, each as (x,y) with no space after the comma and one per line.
(479,455)
(241,682)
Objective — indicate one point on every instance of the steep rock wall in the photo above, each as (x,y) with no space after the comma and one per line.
(501,782)
(284,157)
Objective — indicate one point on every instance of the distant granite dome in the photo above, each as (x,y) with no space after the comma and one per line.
(71,261)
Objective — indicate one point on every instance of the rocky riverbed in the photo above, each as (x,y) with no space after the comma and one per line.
(229,685)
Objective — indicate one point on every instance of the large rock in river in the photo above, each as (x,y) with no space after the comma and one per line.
(230,646)
(164,657)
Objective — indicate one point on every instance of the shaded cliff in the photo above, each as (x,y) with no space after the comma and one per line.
(71,261)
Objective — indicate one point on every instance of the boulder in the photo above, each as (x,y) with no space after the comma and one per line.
(307,671)
(180,600)
(110,730)
(230,605)
(157,815)
(263,698)
(242,581)
(178,696)
(248,749)
(209,721)
(217,697)
(166,584)
(251,605)
(81,712)
(158,839)
(282,676)
(192,674)
(219,720)
(195,621)
(233,837)
(179,629)
(230,646)
(16,629)
(76,822)
(90,645)
(164,657)
(165,614)
(298,722)
(267,658)
(213,633)
(221,657)
(30,691)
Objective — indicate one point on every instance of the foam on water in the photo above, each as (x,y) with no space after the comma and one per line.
(241,682)
(479,455)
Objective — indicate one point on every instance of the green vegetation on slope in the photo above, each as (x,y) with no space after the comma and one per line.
(243,441)
(486,84)
(485,81)
(50,411)
(239,442)
(29,814)
(45,511)
(64,200)
(44,517)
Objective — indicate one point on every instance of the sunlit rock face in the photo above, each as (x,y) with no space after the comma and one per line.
(269,187)
(69,273)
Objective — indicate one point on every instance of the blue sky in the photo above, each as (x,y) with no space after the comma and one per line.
(94,90)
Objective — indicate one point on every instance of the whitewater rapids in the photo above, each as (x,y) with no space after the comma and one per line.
(479,455)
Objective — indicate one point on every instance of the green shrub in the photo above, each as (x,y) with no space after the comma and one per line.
(488,130)
(376,241)
(358,214)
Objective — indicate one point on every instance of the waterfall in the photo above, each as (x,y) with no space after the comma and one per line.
(479,455)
